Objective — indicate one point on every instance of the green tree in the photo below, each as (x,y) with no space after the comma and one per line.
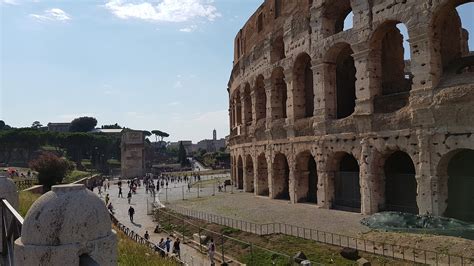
(36,125)
(182,154)
(160,134)
(51,169)
(83,124)
(114,126)
(4,126)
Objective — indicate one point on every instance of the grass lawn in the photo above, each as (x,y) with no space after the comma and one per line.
(26,200)
(131,253)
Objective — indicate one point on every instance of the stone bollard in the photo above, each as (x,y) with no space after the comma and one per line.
(8,191)
(66,226)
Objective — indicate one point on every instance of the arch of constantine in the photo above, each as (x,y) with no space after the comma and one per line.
(338,118)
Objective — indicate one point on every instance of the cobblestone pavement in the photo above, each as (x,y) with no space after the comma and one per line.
(246,206)
(144,222)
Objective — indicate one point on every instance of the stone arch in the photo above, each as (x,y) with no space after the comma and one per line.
(238,108)
(400,183)
(260,98)
(249,174)
(277,52)
(306,178)
(449,36)
(395,79)
(281,177)
(346,182)
(247,104)
(279,94)
(240,173)
(456,176)
(334,15)
(262,176)
(342,73)
(303,92)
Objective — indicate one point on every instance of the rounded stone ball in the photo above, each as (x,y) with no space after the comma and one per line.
(8,190)
(67,214)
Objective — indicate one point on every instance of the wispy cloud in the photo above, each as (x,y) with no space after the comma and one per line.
(53,14)
(174,103)
(164,10)
(178,84)
(189,29)
(10,2)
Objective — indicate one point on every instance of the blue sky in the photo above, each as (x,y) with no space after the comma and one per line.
(161,64)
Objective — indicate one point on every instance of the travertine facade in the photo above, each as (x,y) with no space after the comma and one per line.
(339,118)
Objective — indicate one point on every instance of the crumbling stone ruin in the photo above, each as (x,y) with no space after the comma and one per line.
(337,117)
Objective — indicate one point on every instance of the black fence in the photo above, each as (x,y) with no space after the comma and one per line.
(391,250)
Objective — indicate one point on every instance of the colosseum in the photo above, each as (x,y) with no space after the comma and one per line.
(337,117)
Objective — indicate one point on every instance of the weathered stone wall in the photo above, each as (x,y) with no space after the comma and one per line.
(133,154)
(424,113)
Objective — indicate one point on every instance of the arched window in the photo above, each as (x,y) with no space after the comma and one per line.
(303,94)
(389,45)
(281,177)
(279,94)
(337,16)
(278,50)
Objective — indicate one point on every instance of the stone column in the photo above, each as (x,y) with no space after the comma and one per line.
(424,179)
(325,182)
(325,95)
(270,103)
(370,183)
(271,189)
(367,81)
(292,186)
(290,107)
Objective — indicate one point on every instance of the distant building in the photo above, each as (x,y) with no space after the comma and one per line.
(133,154)
(188,145)
(107,131)
(59,127)
(210,145)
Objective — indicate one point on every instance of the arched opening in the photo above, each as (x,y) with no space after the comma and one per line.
(346,184)
(238,108)
(341,70)
(240,173)
(262,176)
(451,36)
(303,94)
(247,104)
(390,47)
(260,98)
(461,186)
(281,177)
(306,178)
(277,52)
(349,21)
(400,183)
(335,16)
(279,94)
(249,186)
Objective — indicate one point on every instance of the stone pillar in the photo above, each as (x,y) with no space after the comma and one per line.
(290,106)
(64,224)
(325,95)
(270,103)
(292,186)
(8,191)
(253,96)
(248,176)
(424,179)
(371,190)
(367,80)
(325,184)
(271,189)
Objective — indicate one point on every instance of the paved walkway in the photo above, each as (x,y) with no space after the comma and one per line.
(144,222)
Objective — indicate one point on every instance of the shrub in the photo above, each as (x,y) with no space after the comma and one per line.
(51,169)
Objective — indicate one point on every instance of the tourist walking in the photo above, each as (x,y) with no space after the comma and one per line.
(176,248)
(211,249)
(107,198)
(146,236)
(120,195)
(161,247)
(131,212)
(129,197)
(168,244)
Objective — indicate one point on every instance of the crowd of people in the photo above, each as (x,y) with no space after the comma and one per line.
(152,184)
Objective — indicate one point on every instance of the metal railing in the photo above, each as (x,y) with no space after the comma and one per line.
(23,184)
(11,230)
(415,255)
(141,240)
(227,248)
